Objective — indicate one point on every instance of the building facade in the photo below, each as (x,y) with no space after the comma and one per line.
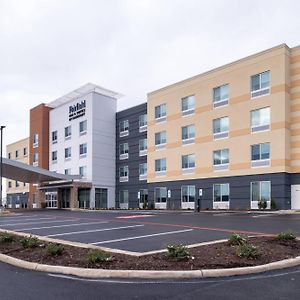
(17,193)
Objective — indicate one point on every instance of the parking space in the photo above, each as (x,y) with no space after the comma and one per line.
(141,231)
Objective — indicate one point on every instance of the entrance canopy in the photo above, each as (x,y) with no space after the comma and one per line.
(26,173)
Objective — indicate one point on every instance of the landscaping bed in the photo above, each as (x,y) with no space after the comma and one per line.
(239,251)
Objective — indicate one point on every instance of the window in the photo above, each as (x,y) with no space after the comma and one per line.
(124,128)
(35,159)
(9,155)
(160,139)
(221,128)
(83,149)
(124,149)
(143,171)
(261,191)
(17,154)
(160,113)
(260,84)
(221,192)
(35,140)
(221,159)
(143,147)
(82,127)
(124,197)
(188,134)
(188,193)
(123,173)
(188,105)
(260,155)
(68,153)
(17,184)
(9,184)
(68,132)
(25,151)
(143,123)
(54,156)
(160,194)
(54,137)
(161,166)
(83,171)
(221,95)
(67,171)
(188,162)
(260,119)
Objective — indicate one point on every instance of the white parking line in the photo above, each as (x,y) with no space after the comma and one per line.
(35,219)
(141,236)
(96,230)
(16,217)
(31,223)
(58,226)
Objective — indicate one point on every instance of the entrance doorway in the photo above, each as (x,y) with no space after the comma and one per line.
(143,199)
(51,199)
(100,198)
(84,198)
(65,198)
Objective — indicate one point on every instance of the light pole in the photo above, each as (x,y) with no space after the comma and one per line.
(1,146)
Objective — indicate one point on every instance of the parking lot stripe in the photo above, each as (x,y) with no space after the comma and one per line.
(59,226)
(31,223)
(35,219)
(96,230)
(142,236)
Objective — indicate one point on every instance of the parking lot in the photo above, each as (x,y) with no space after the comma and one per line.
(143,231)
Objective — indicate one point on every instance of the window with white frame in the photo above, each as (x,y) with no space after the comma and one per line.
(35,159)
(54,156)
(17,154)
(25,151)
(260,119)
(143,147)
(160,139)
(221,128)
(68,171)
(188,134)
(83,149)
(160,112)
(188,193)
(221,159)
(68,132)
(160,166)
(123,173)
(54,137)
(260,155)
(188,105)
(83,171)
(123,197)
(221,192)
(17,184)
(143,171)
(160,194)
(35,140)
(9,184)
(188,162)
(260,84)
(124,128)
(83,127)
(261,191)
(143,123)
(221,95)
(124,150)
(68,153)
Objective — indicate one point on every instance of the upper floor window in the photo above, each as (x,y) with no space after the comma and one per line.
(124,173)
(143,171)
(260,119)
(188,134)
(188,105)
(54,137)
(260,155)
(68,153)
(124,128)
(9,184)
(83,171)
(83,149)
(17,184)
(54,156)
(221,159)
(260,84)
(143,147)
(221,95)
(68,132)
(17,154)
(160,139)
(143,123)
(124,149)
(35,159)
(161,166)
(25,151)
(35,140)
(160,113)
(83,127)
(221,128)
(188,163)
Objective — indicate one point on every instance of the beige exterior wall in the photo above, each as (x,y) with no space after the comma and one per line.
(237,75)
(11,149)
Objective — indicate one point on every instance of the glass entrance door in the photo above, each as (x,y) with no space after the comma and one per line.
(143,199)
(100,198)
(51,199)
(65,198)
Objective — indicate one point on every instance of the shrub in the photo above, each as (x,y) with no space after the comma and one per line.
(98,256)
(247,250)
(237,239)
(273,204)
(6,237)
(262,204)
(178,252)
(288,235)
(30,242)
(55,249)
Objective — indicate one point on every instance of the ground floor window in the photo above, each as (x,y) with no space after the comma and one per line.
(261,191)
(84,198)
(188,193)
(221,192)
(123,197)
(100,198)
(160,194)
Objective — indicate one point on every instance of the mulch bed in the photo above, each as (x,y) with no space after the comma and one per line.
(214,256)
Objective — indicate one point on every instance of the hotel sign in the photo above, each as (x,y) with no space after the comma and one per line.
(77,110)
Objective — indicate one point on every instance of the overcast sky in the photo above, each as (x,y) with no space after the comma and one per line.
(49,48)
